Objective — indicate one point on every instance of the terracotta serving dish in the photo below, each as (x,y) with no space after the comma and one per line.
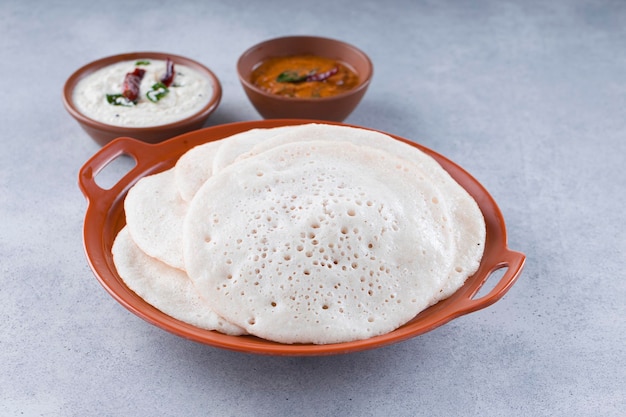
(335,108)
(103,133)
(105,217)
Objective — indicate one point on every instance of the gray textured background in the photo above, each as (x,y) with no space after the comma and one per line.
(529,97)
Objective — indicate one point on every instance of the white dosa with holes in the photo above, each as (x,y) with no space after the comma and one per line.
(319,242)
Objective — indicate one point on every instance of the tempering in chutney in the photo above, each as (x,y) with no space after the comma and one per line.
(304,76)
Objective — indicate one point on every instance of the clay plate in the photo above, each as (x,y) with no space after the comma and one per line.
(105,217)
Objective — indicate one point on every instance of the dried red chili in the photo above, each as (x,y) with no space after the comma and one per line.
(168,77)
(132,81)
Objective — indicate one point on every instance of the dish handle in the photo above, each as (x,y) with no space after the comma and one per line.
(123,146)
(513,261)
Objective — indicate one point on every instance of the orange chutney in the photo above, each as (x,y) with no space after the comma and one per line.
(304,76)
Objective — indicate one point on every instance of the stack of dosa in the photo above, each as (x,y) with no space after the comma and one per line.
(302,234)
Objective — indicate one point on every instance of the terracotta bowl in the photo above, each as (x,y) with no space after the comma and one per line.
(336,108)
(105,217)
(103,133)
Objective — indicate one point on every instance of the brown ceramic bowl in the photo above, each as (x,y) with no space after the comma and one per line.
(103,133)
(105,217)
(336,108)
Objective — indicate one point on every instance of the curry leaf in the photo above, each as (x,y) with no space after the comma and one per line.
(119,100)
(291,77)
(157,92)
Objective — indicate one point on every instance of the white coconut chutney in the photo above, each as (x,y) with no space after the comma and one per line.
(189,93)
